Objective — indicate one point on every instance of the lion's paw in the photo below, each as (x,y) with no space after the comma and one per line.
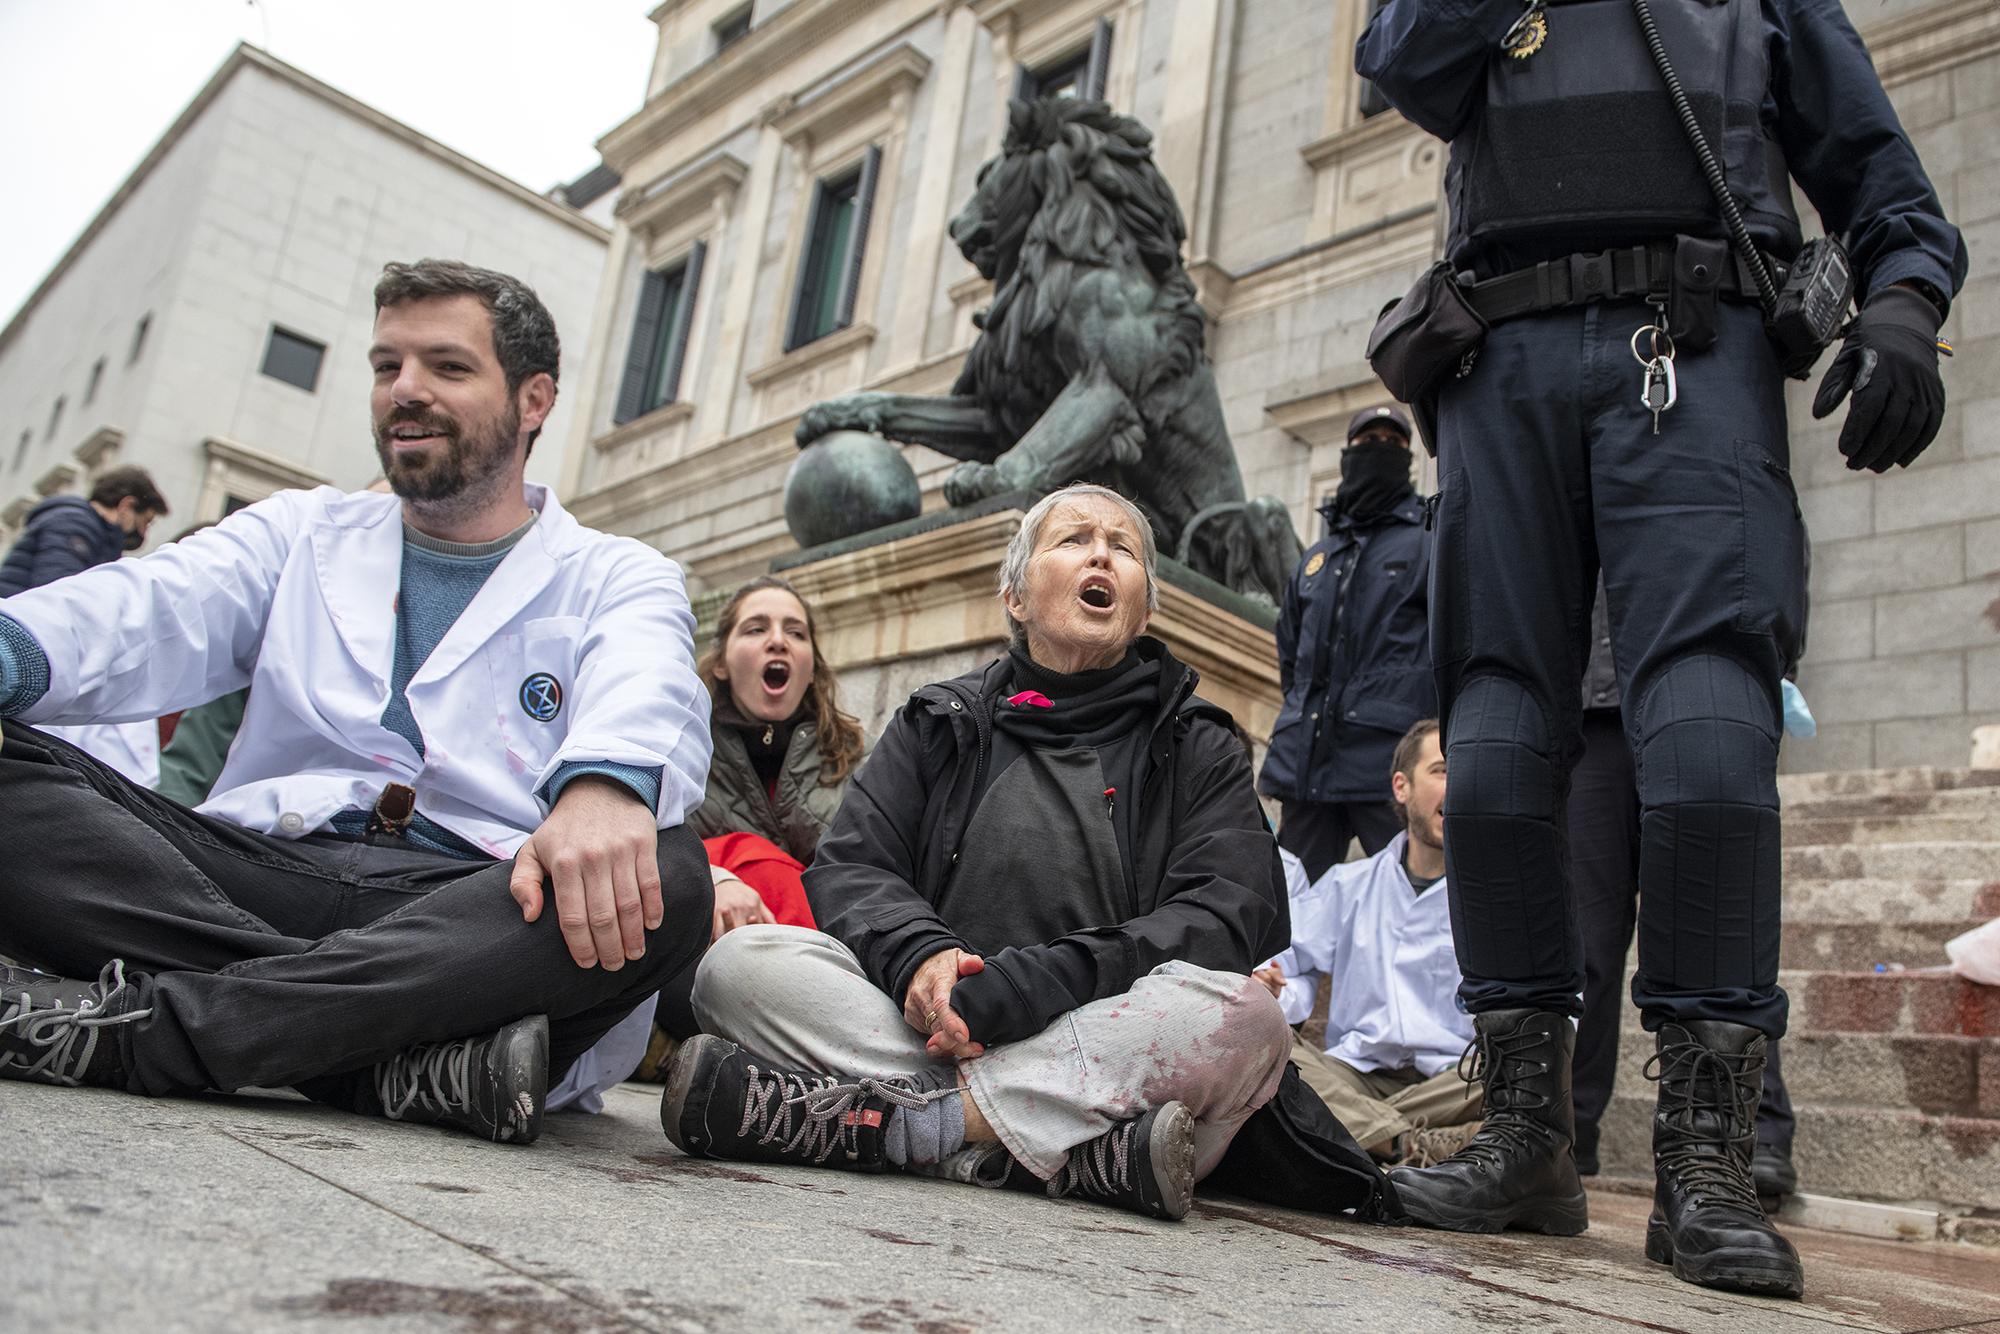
(850,412)
(972,482)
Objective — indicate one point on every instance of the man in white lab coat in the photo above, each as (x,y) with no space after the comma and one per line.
(1381,930)
(446,853)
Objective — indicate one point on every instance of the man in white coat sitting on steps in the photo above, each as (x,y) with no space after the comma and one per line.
(1380,929)
(446,852)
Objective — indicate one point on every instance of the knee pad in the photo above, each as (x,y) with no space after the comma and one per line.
(1501,751)
(1708,735)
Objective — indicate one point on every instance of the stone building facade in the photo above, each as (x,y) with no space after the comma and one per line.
(212,323)
(780,237)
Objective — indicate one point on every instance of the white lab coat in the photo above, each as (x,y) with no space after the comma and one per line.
(1394,1000)
(133,749)
(295,596)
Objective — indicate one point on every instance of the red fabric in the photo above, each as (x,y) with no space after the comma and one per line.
(768,869)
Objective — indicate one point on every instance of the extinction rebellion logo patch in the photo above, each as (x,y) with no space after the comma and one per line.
(541,697)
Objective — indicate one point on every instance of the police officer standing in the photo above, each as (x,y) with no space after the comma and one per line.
(1626,408)
(1353,653)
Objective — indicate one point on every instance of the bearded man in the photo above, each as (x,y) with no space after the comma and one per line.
(463,705)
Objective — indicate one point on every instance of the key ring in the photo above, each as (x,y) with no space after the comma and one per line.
(1658,333)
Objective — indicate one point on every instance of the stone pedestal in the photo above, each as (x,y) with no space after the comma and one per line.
(925,607)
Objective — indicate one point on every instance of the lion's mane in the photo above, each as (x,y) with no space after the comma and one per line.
(1100,192)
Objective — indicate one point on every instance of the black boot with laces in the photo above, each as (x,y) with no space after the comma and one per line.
(1707,1222)
(55,1030)
(490,1086)
(724,1102)
(1518,1170)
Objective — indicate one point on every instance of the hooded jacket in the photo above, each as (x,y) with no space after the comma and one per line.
(736,801)
(62,536)
(1354,657)
(1205,886)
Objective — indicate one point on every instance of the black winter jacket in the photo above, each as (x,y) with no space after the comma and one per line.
(63,535)
(1209,889)
(1354,657)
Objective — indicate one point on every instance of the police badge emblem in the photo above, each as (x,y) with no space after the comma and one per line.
(1313,565)
(1529,32)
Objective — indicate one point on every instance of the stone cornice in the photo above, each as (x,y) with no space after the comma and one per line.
(257,463)
(105,440)
(59,477)
(1934,39)
(639,427)
(757,58)
(853,95)
(690,191)
(1328,149)
(835,344)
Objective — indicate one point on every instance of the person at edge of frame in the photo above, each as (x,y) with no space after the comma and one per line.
(446,853)
(1553,464)
(1353,652)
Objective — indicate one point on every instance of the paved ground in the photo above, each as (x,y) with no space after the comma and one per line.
(117,1213)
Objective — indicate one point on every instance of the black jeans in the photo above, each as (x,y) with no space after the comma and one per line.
(270,962)
(1604,863)
(1549,467)
(1316,832)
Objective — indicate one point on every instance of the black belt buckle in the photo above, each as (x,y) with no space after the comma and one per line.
(393,810)
(1590,278)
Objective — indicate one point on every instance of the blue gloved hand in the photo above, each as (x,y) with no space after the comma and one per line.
(1798,718)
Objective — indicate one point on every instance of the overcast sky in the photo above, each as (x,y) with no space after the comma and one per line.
(87,86)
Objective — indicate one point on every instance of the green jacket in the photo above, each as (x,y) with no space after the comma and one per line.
(192,761)
(737,803)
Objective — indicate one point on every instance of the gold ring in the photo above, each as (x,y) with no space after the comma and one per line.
(930,1017)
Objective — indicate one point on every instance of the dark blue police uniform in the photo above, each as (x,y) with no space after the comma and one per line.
(1570,178)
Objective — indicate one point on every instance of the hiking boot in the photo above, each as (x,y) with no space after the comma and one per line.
(725,1102)
(1707,1222)
(1517,1170)
(1771,1168)
(1145,1165)
(53,1029)
(489,1086)
(1433,1144)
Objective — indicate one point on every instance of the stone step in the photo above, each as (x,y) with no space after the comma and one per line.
(1874,782)
(1891,901)
(1895,861)
(1928,1001)
(1930,1073)
(1948,801)
(1947,827)
(1858,1152)
(1859,946)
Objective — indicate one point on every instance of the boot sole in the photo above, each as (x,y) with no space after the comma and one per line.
(1170,1150)
(1733,1270)
(1555,1218)
(681,1075)
(520,1062)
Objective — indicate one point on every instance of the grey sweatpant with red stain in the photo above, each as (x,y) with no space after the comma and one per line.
(1216,1042)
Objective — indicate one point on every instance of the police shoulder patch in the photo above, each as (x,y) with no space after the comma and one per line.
(541,697)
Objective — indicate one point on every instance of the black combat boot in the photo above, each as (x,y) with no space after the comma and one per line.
(55,1030)
(724,1102)
(1706,1221)
(1517,1171)
(490,1086)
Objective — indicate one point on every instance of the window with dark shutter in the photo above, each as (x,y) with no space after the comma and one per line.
(293,358)
(836,246)
(731,30)
(660,331)
(1080,73)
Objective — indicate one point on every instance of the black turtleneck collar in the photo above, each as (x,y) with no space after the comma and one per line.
(1031,675)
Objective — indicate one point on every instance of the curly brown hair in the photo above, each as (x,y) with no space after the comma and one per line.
(838,734)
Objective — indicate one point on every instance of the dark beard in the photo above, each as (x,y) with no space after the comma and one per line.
(471,464)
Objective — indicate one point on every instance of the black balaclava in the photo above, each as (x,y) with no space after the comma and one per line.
(1374,477)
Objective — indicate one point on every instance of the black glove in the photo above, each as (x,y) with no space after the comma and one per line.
(1890,362)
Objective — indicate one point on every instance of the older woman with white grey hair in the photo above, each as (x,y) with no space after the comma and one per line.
(1040,900)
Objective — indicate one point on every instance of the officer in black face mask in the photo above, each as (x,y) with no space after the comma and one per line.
(1626,409)
(1353,652)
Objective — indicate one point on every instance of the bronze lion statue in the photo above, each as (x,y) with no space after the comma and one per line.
(1089,364)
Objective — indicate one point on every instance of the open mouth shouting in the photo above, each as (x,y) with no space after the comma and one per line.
(1098,593)
(776,677)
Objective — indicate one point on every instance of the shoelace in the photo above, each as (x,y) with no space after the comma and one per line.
(1103,1166)
(1505,1101)
(434,1079)
(61,1032)
(824,1101)
(1697,1079)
